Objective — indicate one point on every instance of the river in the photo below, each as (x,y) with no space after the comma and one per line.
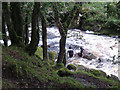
(103,47)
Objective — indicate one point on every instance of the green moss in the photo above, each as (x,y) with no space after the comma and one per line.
(71,67)
(111,82)
(58,66)
(69,82)
(98,73)
(64,72)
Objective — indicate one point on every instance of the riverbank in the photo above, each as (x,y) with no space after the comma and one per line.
(23,71)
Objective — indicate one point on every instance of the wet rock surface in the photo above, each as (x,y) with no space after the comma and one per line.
(89,56)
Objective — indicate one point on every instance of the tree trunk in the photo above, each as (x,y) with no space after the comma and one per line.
(62,49)
(17,19)
(63,29)
(32,47)
(44,38)
(62,33)
(64,59)
(13,36)
(26,31)
(4,36)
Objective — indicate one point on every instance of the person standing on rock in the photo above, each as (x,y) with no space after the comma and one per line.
(80,54)
(70,51)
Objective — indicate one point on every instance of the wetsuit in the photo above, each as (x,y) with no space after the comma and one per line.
(80,53)
(70,51)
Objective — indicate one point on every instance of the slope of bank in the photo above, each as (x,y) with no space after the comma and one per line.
(19,70)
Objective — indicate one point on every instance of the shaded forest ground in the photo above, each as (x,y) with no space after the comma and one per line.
(20,70)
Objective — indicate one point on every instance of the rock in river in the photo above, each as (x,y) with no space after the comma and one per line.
(89,56)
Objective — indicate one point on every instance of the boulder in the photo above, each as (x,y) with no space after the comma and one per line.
(71,67)
(89,56)
(81,67)
(113,77)
(64,72)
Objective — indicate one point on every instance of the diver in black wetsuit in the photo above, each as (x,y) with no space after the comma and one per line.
(80,54)
(70,51)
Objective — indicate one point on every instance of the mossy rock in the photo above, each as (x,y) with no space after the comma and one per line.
(113,77)
(71,67)
(64,72)
(81,67)
(98,73)
(89,55)
(58,66)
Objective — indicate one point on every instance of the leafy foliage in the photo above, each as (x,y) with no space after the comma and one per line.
(113,21)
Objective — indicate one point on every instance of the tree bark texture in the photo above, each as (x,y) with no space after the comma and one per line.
(32,47)
(17,19)
(44,37)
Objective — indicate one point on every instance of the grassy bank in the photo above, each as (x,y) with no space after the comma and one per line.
(23,71)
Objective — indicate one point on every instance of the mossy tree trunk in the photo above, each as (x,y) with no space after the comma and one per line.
(17,19)
(12,34)
(64,59)
(32,47)
(4,36)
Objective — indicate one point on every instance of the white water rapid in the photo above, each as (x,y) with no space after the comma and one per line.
(103,47)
